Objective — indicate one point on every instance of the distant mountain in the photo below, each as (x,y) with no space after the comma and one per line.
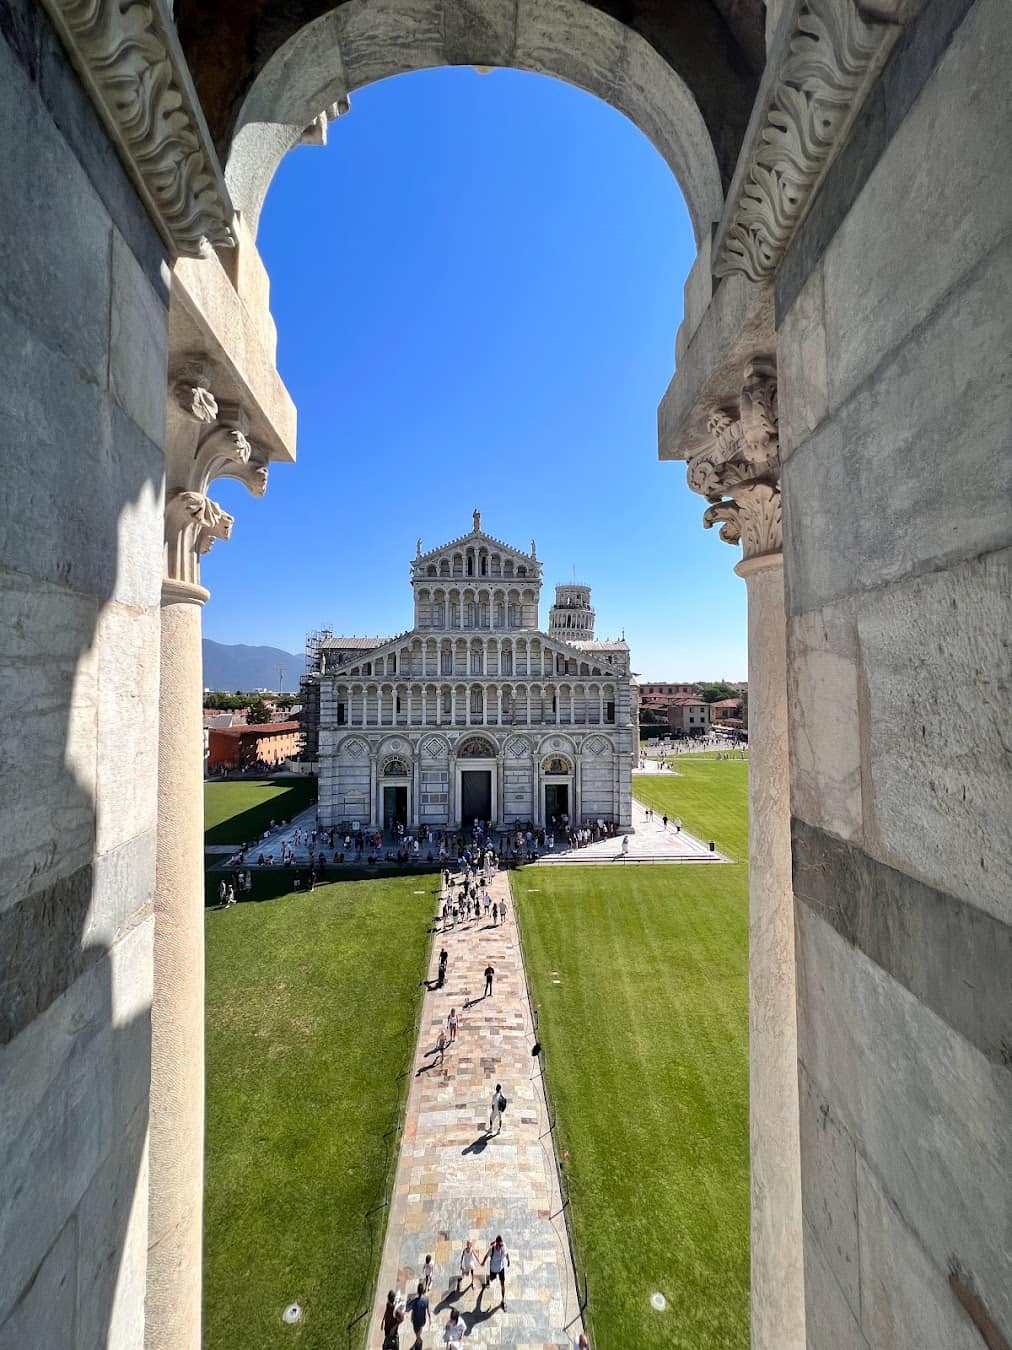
(229,667)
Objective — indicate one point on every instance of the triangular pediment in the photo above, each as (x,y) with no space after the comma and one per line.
(482,543)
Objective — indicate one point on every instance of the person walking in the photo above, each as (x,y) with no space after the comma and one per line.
(467,1260)
(441,1045)
(428,1270)
(443,958)
(420,1315)
(489,973)
(497,1107)
(495,913)
(502,910)
(390,1322)
(453,1332)
(498,1259)
(451,1023)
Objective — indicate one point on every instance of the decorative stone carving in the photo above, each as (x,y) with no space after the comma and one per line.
(128,58)
(739,472)
(206,439)
(196,400)
(827,67)
(210,520)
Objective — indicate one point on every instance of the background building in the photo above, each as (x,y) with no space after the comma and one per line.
(474,713)
(250,747)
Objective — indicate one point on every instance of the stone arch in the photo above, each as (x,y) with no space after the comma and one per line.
(476,747)
(360,42)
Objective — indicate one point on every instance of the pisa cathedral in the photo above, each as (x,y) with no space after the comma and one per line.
(475,713)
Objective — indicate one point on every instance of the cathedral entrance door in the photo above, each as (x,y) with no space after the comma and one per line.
(475,796)
(556,802)
(395,806)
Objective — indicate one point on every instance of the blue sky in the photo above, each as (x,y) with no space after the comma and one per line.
(477,285)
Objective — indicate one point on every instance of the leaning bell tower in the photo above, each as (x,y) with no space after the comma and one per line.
(571,618)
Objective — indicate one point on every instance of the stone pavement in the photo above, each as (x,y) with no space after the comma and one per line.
(455,1181)
(649,842)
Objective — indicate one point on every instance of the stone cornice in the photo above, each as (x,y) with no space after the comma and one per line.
(825,59)
(129,60)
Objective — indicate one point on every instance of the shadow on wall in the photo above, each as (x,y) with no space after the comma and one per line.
(83,330)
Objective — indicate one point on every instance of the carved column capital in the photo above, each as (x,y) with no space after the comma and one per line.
(739,471)
(207,439)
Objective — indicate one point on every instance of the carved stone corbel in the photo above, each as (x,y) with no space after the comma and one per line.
(739,472)
(207,439)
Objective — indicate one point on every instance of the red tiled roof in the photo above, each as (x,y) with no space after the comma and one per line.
(262,729)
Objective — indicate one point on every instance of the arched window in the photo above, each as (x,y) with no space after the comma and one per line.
(395,768)
(477,703)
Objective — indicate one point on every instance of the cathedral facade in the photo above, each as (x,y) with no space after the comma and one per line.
(475,713)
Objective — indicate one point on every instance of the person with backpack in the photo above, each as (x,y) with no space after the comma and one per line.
(498,1106)
(390,1322)
(498,1259)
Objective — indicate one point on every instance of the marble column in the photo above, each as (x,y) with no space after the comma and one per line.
(205,439)
(739,473)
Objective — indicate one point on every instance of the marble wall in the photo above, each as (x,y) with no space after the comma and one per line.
(83,332)
(894,333)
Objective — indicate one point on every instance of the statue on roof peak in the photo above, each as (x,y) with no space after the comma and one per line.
(476,518)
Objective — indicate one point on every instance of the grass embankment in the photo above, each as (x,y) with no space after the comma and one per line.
(646,1039)
(311,1008)
(239,810)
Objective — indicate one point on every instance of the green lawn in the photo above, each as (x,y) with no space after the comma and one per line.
(238,811)
(646,1041)
(311,1007)
(711,797)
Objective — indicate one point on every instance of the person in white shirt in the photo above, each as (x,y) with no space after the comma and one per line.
(428,1270)
(454,1332)
(467,1259)
(498,1259)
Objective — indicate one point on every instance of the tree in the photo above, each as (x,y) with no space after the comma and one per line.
(258,713)
(712,693)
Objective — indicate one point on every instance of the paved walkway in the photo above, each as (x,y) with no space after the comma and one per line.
(650,842)
(455,1181)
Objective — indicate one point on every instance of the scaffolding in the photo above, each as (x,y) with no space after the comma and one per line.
(309,693)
